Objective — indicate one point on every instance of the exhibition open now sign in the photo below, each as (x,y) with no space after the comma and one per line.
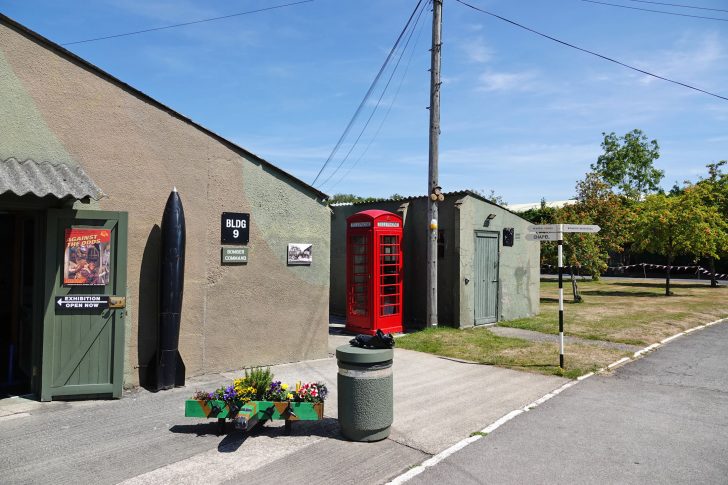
(82,302)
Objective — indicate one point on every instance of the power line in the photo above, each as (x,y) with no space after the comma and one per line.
(656,11)
(381,96)
(680,5)
(386,114)
(591,52)
(187,23)
(368,93)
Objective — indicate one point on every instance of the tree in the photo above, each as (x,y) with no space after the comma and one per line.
(540,215)
(682,224)
(627,164)
(713,191)
(492,197)
(348,198)
(595,204)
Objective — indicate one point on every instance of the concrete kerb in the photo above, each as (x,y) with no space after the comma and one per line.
(501,421)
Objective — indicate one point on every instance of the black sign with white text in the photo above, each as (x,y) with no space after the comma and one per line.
(234,228)
(82,302)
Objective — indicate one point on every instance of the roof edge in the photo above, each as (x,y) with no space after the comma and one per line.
(23,30)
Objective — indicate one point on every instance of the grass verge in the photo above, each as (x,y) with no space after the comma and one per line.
(482,346)
(629,311)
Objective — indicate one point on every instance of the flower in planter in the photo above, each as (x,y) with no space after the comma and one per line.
(258,385)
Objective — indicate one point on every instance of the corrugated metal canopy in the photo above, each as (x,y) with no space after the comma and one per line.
(46,178)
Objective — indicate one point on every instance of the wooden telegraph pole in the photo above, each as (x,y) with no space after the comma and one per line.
(433,188)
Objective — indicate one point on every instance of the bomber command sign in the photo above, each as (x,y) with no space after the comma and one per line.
(234,255)
(234,228)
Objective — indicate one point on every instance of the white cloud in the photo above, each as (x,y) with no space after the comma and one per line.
(477,51)
(507,81)
(691,58)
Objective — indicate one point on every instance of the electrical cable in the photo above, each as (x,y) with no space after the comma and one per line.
(187,23)
(679,5)
(592,53)
(656,11)
(368,94)
(386,115)
(381,96)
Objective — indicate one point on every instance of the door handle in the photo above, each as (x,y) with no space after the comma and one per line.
(117,302)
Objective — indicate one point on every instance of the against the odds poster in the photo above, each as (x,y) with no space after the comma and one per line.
(87,257)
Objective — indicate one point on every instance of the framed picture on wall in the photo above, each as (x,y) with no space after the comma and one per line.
(299,253)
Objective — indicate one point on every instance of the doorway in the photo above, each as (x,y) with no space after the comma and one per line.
(486,277)
(17,288)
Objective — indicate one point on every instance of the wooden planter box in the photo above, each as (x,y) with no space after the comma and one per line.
(253,412)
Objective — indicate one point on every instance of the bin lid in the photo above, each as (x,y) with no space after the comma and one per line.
(358,355)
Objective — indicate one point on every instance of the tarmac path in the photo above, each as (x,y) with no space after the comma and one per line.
(144,437)
(661,419)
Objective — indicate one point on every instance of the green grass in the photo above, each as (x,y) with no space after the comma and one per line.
(625,311)
(482,346)
(632,311)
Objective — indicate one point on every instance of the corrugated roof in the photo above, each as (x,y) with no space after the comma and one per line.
(457,193)
(46,178)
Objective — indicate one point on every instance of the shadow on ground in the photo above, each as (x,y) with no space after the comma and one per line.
(647,294)
(233,439)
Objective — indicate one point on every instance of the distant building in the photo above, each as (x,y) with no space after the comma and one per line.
(556,204)
(487,270)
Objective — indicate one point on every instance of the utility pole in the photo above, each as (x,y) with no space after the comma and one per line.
(433,187)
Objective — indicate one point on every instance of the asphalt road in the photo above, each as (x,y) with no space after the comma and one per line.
(662,419)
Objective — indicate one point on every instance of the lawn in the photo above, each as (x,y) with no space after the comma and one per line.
(629,311)
(482,346)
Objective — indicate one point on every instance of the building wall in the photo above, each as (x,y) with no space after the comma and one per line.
(519,265)
(233,316)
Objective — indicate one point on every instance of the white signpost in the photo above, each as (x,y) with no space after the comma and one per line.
(555,232)
(542,236)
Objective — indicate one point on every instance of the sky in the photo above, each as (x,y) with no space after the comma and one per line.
(521,115)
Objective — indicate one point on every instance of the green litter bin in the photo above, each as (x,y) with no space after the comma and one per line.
(366,392)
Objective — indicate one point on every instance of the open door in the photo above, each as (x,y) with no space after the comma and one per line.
(85,294)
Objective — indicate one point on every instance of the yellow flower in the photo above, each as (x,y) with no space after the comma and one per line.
(284,387)
(289,396)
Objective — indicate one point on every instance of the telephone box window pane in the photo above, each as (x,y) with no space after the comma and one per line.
(389,280)
(390,269)
(360,269)
(360,259)
(360,278)
(390,310)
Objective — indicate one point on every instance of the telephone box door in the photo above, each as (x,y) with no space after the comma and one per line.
(374,272)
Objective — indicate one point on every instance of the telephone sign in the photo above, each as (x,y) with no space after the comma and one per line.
(234,228)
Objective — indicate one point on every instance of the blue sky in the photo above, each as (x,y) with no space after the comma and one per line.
(521,115)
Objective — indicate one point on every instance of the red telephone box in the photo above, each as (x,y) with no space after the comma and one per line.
(374,272)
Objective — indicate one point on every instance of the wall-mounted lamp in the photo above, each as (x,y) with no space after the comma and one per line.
(490,217)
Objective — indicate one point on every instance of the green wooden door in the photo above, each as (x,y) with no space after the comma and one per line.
(486,277)
(83,350)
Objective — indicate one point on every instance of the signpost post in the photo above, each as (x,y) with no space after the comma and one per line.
(555,232)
